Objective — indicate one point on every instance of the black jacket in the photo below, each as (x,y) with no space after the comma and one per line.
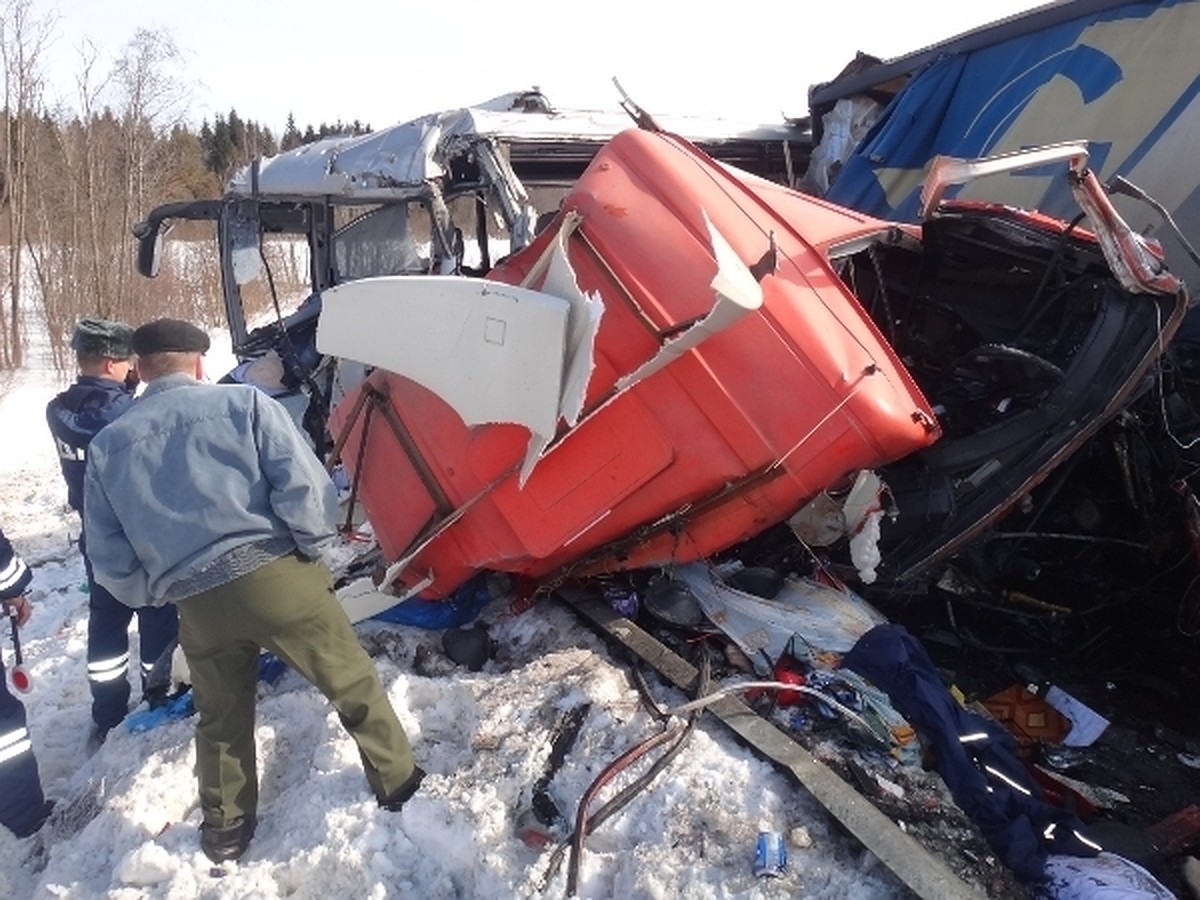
(975,756)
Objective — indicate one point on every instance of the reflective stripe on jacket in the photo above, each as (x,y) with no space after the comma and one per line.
(14,574)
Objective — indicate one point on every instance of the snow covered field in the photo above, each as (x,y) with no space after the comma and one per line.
(129,829)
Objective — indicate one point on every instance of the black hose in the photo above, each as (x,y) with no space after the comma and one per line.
(621,799)
(648,701)
(610,772)
(586,824)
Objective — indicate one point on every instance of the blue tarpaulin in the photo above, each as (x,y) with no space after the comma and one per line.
(1124,78)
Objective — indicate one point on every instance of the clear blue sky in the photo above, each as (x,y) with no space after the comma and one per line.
(384,61)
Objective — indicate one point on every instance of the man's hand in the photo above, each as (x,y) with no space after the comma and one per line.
(21,607)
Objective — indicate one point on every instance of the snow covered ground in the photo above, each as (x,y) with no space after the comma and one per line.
(131,820)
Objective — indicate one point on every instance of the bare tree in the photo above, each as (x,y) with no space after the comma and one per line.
(22,40)
(90,172)
(151,102)
(66,221)
(96,175)
(52,230)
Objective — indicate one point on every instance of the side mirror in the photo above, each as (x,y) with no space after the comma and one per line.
(151,232)
(150,247)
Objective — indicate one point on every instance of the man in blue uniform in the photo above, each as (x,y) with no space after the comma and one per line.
(23,806)
(103,392)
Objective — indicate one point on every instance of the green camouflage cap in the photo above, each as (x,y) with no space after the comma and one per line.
(101,337)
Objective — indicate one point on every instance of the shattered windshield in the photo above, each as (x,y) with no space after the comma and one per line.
(275,278)
(478,220)
(389,240)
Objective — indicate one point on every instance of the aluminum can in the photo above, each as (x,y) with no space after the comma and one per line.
(770,855)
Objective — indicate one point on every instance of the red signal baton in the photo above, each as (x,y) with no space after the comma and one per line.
(19,675)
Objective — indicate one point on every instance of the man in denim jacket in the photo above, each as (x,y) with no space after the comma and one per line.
(207,496)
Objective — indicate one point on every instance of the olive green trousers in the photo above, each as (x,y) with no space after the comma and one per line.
(288,607)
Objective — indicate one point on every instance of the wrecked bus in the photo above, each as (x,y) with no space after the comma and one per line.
(447,193)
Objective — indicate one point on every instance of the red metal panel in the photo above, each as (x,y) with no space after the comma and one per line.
(738,432)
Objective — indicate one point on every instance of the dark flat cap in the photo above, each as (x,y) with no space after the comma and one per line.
(101,337)
(169,336)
